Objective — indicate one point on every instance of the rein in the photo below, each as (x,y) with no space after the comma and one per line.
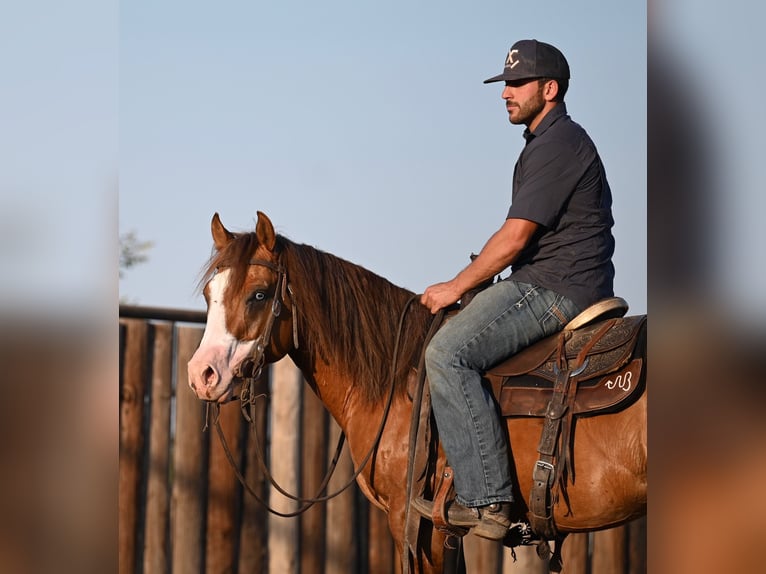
(254,366)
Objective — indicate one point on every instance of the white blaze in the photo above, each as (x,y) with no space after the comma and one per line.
(212,366)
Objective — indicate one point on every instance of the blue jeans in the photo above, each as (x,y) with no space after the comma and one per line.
(499,322)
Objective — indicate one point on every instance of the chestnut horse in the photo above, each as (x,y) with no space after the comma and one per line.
(339,323)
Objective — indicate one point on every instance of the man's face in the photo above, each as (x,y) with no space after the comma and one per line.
(524,101)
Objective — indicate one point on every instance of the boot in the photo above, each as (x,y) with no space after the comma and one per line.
(491,521)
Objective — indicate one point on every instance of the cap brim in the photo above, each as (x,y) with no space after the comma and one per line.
(499,78)
(508,77)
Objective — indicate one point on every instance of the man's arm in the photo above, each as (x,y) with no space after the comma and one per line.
(499,252)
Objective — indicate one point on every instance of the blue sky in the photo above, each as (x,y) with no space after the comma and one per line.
(361,128)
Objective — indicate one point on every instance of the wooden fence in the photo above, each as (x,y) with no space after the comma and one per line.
(182,510)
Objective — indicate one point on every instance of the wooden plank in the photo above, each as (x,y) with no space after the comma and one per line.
(187,501)
(156,557)
(133,388)
(527,561)
(162,314)
(575,554)
(253,547)
(285,401)
(609,551)
(221,536)
(314,456)
(381,553)
(341,547)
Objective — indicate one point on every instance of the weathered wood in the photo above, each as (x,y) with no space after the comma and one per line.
(527,561)
(222,498)
(162,314)
(133,388)
(156,557)
(285,400)
(253,548)
(609,551)
(381,554)
(341,540)
(187,503)
(313,466)
(575,553)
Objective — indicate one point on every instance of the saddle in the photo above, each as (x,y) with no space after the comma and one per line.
(592,366)
(599,353)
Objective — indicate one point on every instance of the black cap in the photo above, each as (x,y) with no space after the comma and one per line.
(529,59)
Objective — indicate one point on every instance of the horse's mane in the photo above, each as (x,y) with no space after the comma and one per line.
(347,314)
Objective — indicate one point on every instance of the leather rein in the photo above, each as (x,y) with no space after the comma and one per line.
(251,369)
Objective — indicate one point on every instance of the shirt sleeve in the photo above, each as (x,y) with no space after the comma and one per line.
(545,179)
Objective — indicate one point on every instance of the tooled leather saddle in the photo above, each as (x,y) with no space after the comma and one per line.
(593,366)
(601,355)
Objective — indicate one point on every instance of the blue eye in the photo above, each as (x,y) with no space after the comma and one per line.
(256,297)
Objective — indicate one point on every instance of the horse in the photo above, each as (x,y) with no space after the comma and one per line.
(357,339)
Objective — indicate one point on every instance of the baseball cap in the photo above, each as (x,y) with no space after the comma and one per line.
(529,59)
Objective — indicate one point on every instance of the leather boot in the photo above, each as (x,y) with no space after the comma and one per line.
(491,521)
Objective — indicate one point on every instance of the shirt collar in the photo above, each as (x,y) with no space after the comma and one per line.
(558,111)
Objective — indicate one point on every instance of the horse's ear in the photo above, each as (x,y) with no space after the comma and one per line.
(221,236)
(264,231)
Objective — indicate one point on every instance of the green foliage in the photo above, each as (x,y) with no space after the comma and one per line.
(132,251)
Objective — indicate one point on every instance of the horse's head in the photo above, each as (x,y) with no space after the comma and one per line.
(248,316)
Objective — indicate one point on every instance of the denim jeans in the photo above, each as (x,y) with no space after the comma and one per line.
(499,322)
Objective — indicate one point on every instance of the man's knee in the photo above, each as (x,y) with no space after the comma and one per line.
(434,356)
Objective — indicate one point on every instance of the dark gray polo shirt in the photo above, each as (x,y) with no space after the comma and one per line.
(559,182)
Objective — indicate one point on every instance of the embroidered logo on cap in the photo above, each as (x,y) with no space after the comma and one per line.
(509,63)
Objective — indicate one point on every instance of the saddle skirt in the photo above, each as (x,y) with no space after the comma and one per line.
(608,369)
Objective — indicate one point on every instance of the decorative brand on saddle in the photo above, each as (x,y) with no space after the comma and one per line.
(608,374)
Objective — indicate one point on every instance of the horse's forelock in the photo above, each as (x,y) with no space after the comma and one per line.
(236,257)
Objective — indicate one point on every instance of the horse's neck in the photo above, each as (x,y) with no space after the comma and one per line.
(333,388)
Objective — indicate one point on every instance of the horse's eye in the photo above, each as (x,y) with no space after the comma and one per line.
(256,297)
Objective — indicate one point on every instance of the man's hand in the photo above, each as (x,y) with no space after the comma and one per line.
(501,250)
(440,295)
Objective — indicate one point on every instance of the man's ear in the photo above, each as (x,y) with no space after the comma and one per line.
(550,90)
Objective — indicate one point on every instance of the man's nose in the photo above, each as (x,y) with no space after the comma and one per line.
(507,91)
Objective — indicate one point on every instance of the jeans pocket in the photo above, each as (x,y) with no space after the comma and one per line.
(555,317)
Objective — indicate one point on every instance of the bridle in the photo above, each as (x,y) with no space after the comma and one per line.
(251,369)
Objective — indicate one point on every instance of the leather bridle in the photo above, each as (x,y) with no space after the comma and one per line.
(251,368)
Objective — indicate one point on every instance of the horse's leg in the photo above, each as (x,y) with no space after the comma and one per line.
(430,545)
(556,563)
(454,557)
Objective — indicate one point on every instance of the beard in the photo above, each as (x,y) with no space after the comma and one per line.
(528,111)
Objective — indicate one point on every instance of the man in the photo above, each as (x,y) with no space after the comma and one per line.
(557,238)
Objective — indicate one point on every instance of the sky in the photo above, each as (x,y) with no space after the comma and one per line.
(361,128)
